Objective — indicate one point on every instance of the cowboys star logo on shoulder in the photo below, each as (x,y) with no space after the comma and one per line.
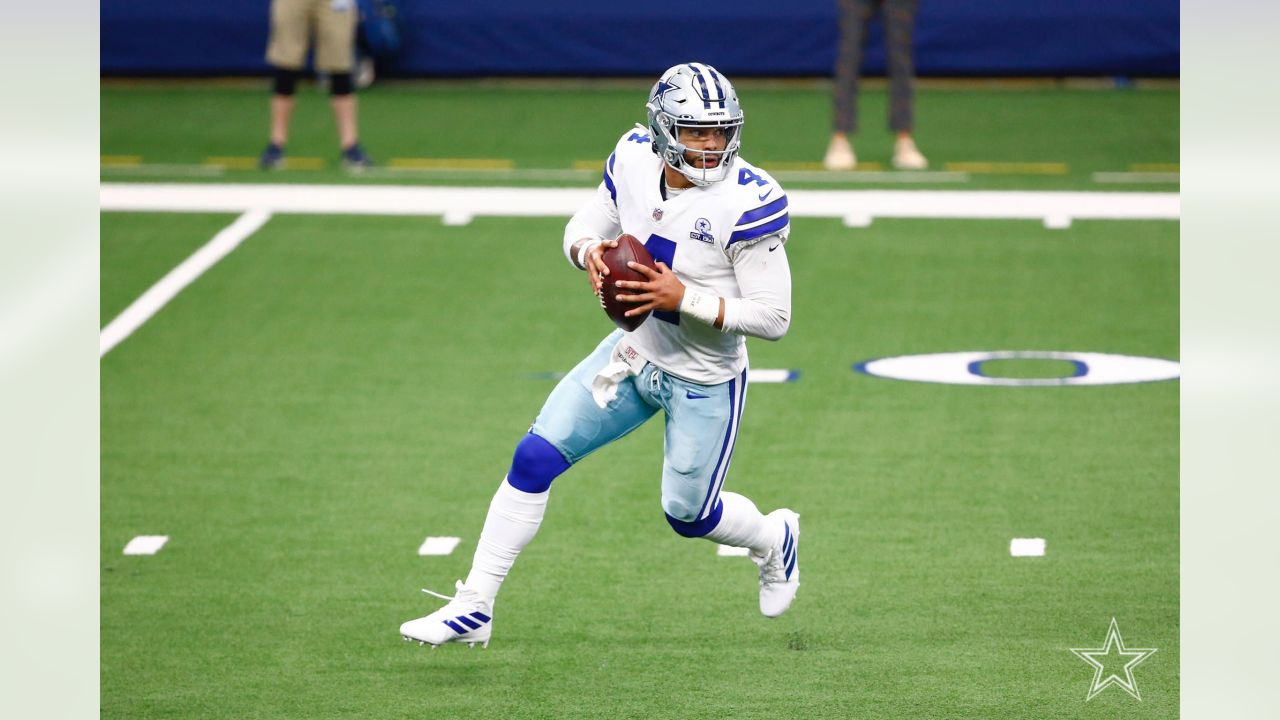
(702,231)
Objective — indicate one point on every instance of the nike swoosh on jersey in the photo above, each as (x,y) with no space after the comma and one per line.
(762,197)
(775,247)
(695,396)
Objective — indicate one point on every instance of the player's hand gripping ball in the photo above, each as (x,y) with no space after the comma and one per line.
(629,250)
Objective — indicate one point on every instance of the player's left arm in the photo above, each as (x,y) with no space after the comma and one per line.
(764,278)
(755,250)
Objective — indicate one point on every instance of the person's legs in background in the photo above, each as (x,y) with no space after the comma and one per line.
(335,54)
(287,53)
(899,24)
(854,16)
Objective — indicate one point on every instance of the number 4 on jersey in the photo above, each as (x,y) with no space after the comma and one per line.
(663,250)
(745,176)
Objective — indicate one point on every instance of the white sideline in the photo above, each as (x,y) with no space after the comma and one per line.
(458,205)
(178,278)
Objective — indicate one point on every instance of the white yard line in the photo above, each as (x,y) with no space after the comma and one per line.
(458,205)
(771,375)
(871,176)
(493,174)
(178,278)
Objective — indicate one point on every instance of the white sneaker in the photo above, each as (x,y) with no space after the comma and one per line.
(840,155)
(906,156)
(780,569)
(468,618)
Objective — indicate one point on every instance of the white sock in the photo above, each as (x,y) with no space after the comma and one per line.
(742,525)
(513,520)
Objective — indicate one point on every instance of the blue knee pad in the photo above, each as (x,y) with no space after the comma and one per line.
(535,464)
(698,528)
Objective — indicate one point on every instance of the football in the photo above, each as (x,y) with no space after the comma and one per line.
(629,250)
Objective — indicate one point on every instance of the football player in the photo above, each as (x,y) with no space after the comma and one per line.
(717,226)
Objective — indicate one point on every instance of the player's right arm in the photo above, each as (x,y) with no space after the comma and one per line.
(594,228)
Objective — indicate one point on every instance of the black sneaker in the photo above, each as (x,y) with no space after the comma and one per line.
(272,158)
(353,158)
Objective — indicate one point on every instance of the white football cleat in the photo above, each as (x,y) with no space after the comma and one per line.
(906,156)
(468,618)
(780,569)
(840,155)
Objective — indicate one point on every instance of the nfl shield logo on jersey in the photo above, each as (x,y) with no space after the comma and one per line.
(657,214)
(702,231)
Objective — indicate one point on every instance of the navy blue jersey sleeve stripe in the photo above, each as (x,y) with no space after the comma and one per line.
(763,212)
(760,230)
(608,180)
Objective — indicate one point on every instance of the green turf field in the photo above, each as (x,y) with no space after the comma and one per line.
(1035,138)
(340,387)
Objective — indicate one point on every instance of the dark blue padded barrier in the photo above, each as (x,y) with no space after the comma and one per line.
(741,37)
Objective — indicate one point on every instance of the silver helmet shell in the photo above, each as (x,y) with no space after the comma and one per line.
(694,95)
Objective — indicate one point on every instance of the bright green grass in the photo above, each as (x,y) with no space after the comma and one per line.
(337,388)
(146,246)
(1089,130)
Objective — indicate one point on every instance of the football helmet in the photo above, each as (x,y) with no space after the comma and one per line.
(694,95)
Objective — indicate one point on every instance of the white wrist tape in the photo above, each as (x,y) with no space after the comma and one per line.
(582,252)
(700,305)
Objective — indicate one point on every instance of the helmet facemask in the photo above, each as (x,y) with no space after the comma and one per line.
(679,156)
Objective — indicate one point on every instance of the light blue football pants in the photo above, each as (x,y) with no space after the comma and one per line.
(701,428)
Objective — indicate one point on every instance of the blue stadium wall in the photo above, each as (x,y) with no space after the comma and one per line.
(741,37)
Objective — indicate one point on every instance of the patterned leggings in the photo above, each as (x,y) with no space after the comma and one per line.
(899,21)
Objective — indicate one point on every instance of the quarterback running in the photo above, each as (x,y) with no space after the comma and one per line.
(717,227)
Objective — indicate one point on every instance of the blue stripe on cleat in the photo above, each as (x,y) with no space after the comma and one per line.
(468,622)
(455,627)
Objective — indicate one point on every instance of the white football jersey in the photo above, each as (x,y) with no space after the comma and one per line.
(695,232)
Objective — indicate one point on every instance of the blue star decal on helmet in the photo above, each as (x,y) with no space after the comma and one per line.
(662,89)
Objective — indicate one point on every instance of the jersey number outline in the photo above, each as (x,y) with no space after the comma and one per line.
(665,250)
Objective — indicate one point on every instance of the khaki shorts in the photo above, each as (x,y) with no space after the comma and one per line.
(294,22)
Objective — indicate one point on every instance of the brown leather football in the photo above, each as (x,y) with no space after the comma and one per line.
(629,250)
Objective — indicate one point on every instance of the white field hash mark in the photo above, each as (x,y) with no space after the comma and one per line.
(146,545)
(1026,547)
(438,545)
(158,295)
(772,375)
